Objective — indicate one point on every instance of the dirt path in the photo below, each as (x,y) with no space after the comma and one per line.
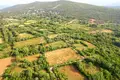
(71,21)
(4,63)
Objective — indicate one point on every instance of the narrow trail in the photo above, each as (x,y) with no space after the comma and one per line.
(71,21)
(56,6)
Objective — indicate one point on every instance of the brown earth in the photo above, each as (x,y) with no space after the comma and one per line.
(71,73)
(4,63)
(32,58)
(61,56)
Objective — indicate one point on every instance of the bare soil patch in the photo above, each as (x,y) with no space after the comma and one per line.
(1,78)
(61,56)
(4,63)
(31,58)
(17,69)
(71,73)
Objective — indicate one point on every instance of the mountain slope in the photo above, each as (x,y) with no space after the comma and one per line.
(68,8)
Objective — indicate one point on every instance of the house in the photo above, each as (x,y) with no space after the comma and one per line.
(92,21)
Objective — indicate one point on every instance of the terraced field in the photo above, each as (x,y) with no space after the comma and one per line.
(47,50)
(83,45)
(61,56)
(71,73)
(24,35)
(4,64)
(101,31)
(57,44)
(33,41)
(32,58)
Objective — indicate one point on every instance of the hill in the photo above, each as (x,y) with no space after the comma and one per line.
(68,9)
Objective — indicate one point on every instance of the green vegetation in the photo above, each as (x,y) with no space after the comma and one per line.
(67,9)
(55,47)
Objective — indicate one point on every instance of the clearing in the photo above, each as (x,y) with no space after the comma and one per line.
(30,22)
(53,36)
(90,68)
(17,69)
(32,58)
(57,44)
(82,47)
(61,56)
(71,73)
(24,35)
(4,63)
(1,40)
(79,47)
(33,41)
(29,58)
(101,31)
(89,44)
(79,26)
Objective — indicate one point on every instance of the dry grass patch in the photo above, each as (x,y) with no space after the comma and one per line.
(53,36)
(90,68)
(57,44)
(17,69)
(24,35)
(107,31)
(61,56)
(79,47)
(101,31)
(89,44)
(1,40)
(30,22)
(33,41)
(1,78)
(43,30)
(83,47)
(71,73)
(4,63)
(78,26)
(32,58)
